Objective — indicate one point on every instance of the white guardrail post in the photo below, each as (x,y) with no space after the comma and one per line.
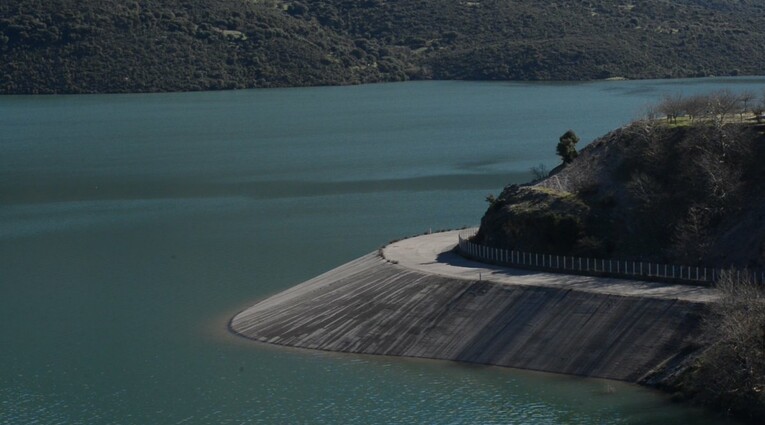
(670,272)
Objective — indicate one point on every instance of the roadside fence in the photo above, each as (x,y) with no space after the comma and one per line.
(627,269)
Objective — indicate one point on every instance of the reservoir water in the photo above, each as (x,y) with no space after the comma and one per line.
(132,227)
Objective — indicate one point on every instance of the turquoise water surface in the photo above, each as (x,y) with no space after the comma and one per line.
(132,227)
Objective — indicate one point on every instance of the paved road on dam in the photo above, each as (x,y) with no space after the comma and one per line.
(433,254)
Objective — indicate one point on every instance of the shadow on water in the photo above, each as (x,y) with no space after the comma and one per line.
(86,190)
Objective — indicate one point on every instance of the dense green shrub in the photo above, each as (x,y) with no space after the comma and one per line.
(566,148)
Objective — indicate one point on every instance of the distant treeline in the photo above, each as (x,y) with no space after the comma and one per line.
(87,46)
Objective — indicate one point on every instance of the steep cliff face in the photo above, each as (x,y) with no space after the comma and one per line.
(681,194)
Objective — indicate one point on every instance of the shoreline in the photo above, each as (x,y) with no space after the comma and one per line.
(319,86)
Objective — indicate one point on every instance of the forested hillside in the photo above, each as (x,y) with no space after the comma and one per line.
(83,46)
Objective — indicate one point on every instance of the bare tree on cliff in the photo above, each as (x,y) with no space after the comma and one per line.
(746,98)
(672,106)
(696,106)
(731,372)
(723,104)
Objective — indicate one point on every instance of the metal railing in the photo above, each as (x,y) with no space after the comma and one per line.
(627,269)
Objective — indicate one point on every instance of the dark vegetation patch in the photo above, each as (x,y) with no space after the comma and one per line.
(726,370)
(67,46)
(673,191)
(684,186)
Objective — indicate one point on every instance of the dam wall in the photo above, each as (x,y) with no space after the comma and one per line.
(374,306)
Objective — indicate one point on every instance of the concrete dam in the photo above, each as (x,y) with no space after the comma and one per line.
(417,298)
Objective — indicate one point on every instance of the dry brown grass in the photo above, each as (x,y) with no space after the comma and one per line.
(731,373)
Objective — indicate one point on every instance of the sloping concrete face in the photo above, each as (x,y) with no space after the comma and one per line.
(374,307)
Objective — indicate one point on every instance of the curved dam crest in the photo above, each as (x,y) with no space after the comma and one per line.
(449,308)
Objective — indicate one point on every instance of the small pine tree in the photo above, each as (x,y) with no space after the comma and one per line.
(566,148)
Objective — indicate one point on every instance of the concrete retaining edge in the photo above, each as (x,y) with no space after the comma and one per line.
(373,306)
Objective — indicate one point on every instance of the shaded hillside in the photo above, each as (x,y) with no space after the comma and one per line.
(67,46)
(687,188)
(685,194)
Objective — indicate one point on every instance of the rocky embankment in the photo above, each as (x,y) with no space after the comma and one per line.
(691,194)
